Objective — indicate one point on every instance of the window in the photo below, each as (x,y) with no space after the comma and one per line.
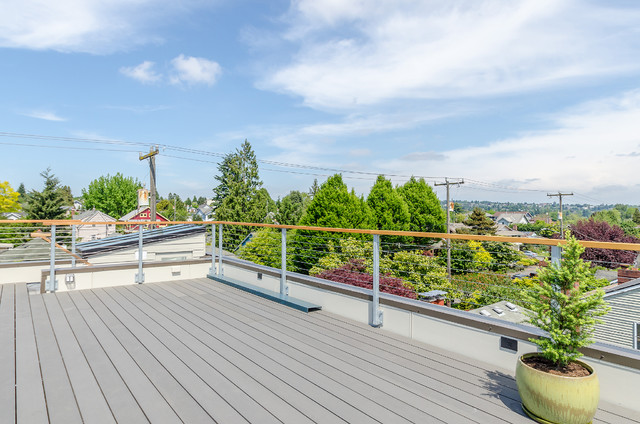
(636,335)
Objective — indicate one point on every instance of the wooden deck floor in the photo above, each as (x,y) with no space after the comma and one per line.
(197,351)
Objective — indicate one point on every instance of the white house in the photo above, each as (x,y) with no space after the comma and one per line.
(95,231)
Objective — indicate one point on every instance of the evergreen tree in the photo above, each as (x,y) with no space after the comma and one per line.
(332,206)
(636,216)
(388,207)
(480,223)
(48,203)
(65,194)
(558,307)
(23,193)
(426,214)
(237,196)
(314,188)
(291,207)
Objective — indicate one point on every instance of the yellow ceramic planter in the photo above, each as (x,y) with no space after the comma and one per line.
(549,398)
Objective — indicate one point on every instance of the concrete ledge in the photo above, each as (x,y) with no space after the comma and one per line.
(291,302)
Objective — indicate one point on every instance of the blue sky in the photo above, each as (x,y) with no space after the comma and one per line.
(519,98)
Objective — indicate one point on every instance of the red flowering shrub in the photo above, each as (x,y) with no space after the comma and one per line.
(354,273)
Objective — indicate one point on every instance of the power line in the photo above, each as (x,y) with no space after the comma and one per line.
(474,184)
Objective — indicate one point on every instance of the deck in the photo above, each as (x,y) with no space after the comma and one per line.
(198,351)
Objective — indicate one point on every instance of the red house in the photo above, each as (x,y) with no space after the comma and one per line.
(142,214)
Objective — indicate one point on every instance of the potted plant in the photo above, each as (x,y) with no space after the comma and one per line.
(555,387)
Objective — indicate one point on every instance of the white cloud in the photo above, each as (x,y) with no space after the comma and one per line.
(46,115)
(143,72)
(194,70)
(94,26)
(353,53)
(590,148)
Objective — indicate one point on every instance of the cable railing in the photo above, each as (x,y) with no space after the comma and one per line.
(483,269)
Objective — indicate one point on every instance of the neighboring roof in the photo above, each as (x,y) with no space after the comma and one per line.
(616,289)
(455,226)
(89,215)
(512,217)
(508,314)
(135,212)
(503,230)
(109,244)
(13,215)
(33,250)
(205,209)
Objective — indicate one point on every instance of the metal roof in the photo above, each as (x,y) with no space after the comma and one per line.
(109,244)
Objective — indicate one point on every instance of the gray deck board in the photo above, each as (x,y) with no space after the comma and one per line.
(154,406)
(374,361)
(31,406)
(175,394)
(7,355)
(202,352)
(93,406)
(123,404)
(169,355)
(255,398)
(315,400)
(61,400)
(403,402)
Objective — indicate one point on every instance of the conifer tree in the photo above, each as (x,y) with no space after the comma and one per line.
(332,206)
(636,216)
(389,208)
(479,223)
(424,207)
(47,203)
(558,307)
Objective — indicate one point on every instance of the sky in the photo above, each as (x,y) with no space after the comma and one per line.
(518,98)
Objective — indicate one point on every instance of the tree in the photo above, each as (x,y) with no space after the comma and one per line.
(590,229)
(23,193)
(9,199)
(426,214)
(265,248)
(636,216)
(116,196)
(332,206)
(389,209)
(238,196)
(558,307)
(314,188)
(480,223)
(291,207)
(48,203)
(611,216)
(65,194)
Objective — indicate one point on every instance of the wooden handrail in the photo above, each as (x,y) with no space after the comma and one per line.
(502,239)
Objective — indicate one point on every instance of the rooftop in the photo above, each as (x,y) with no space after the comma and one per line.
(200,351)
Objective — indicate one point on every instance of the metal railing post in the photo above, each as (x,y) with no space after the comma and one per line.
(52,284)
(212,270)
(284,287)
(376,313)
(73,245)
(556,255)
(220,273)
(140,274)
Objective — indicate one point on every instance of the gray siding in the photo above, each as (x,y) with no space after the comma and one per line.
(618,324)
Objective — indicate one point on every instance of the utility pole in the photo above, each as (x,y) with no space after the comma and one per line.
(559,196)
(449,184)
(153,151)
